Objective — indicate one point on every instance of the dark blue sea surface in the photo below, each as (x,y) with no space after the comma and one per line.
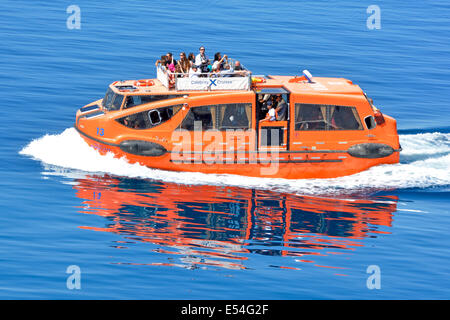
(139,233)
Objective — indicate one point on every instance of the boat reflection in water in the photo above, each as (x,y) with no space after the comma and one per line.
(201,226)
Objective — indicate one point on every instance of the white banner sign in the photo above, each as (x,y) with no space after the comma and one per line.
(223,83)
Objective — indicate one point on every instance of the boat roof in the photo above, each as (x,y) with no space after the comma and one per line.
(271,84)
(319,84)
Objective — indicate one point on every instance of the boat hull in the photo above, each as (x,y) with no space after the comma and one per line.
(268,164)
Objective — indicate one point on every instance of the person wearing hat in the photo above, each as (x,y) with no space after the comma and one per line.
(271,113)
(194,72)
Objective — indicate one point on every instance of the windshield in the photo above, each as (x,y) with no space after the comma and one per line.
(112,101)
(132,101)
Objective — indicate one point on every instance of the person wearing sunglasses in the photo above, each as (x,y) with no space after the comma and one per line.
(201,60)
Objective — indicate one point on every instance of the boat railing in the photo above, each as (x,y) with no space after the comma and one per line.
(211,81)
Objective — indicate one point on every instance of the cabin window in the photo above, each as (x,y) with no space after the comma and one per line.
(199,116)
(370,122)
(133,101)
(309,117)
(149,118)
(117,103)
(219,117)
(154,116)
(234,116)
(112,101)
(318,117)
(108,99)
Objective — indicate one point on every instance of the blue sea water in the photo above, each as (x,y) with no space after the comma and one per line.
(138,233)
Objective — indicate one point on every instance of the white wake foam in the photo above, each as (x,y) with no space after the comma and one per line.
(424,163)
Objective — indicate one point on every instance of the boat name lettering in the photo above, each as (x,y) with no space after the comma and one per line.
(211,82)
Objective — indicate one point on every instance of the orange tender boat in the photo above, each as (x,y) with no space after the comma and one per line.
(325,127)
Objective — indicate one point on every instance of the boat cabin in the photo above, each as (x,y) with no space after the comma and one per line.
(222,103)
(317,119)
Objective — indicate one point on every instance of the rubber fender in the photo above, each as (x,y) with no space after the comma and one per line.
(142,148)
(370,150)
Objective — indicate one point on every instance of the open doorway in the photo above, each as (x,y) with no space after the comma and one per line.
(272,126)
(266,96)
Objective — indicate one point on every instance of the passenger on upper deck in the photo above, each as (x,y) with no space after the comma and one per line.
(171,62)
(191,58)
(227,72)
(201,60)
(239,69)
(194,72)
(219,60)
(170,59)
(162,61)
(238,66)
(184,64)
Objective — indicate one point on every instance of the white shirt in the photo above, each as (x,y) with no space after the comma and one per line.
(194,74)
(271,114)
(215,64)
(227,71)
(199,60)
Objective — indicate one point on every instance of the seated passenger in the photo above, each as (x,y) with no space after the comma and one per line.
(216,66)
(183,64)
(130,122)
(239,70)
(171,62)
(238,66)
(170,65)
(162,62)
(281,108)
(215,73)
(271,113)
(219,60)
(191,58)
(227,72)
(194,72)
(178,71)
